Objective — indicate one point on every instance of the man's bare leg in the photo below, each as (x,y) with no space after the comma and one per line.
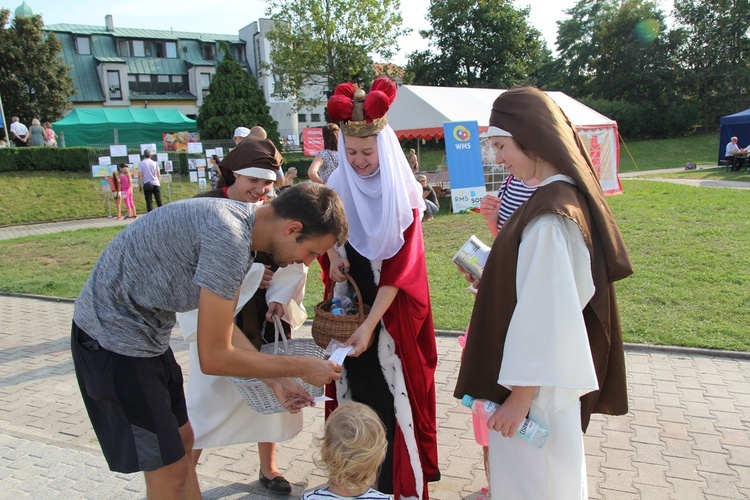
(177,480)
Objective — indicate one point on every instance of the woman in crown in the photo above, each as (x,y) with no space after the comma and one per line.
(392,367)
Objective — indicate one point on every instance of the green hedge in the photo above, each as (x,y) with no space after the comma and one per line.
(78,159)
(298,161)
(648,120)
(60,159)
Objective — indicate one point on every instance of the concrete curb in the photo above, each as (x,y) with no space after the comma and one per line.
(647,348)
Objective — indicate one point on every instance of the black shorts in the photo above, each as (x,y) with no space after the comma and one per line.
(136,405)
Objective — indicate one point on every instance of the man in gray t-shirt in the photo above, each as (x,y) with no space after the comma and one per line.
(123,319)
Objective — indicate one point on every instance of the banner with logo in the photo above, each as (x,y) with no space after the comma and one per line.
(312,141)
(465,171)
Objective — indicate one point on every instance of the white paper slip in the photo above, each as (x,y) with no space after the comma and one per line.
(322,399)
(340,354)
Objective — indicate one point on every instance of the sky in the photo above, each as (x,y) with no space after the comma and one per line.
(229,16)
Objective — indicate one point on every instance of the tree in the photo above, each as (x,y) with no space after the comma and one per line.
(578,45)
(480,43)
(234,100)
(34,80)
(716,56)
(316,45)
(638,59)
(618,56)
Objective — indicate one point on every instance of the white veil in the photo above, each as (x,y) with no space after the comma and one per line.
(379,206)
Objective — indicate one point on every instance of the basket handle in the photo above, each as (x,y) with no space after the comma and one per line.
(359,296)
(279,333)
(360,304)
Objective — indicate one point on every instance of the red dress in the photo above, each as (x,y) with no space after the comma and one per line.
(402,361)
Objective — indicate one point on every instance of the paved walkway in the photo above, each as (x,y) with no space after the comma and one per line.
(648,175)
(10,232)
(687,435)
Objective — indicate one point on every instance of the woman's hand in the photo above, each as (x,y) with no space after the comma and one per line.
(274,308)
(360,340)
(362,337)
(266,279)
(339,266)
(468,277)
(510,415)
(489,208)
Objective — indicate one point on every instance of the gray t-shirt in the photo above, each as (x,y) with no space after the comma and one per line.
(158,265)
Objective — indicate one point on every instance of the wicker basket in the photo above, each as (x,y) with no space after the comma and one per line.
(327,326)
(257,394)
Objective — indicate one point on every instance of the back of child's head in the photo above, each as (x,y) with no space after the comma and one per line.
(353,446)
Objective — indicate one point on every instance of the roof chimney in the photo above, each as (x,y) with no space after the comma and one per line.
(109,22)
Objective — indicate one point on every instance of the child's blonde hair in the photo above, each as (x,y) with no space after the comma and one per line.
(353,446)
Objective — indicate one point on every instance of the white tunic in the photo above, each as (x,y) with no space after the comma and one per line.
(547,346)
(218,413)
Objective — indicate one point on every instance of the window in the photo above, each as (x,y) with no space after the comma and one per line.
(83,45)
(157,84)
(209,51)
(239,53)
(162,49)
(113,82)
(158,49)
(138,48)
(205,81)
(123,47)
(302,117)
(162,84)
(315,117)
(171,49)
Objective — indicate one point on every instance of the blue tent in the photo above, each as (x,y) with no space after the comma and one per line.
(738,125)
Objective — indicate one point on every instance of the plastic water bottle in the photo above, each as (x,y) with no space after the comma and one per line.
(529,431)
(345,302)
(336,307)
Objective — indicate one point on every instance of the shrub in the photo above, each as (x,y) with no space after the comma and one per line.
(648,120)
(60,159)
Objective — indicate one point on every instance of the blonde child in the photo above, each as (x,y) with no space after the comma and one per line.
(352,449)
(126,185)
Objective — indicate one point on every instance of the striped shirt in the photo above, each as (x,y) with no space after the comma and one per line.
(513,193)
(325,494)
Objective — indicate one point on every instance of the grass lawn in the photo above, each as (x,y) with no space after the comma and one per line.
(27,197)
(691,285)
(637,155)
(668,153)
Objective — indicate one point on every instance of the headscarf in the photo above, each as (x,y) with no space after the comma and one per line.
(253,157)
(379,207)
(541,127)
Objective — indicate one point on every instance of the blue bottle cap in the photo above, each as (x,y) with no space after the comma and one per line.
(467,401)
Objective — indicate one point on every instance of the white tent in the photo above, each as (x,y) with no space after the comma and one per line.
(419,113)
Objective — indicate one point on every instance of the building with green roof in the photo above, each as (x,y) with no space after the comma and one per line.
(130,67)
(121,67)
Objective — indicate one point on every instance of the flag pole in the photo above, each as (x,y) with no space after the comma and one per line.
(5,122)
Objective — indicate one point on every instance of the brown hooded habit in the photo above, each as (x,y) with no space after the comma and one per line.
(251,152)
(541,127)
